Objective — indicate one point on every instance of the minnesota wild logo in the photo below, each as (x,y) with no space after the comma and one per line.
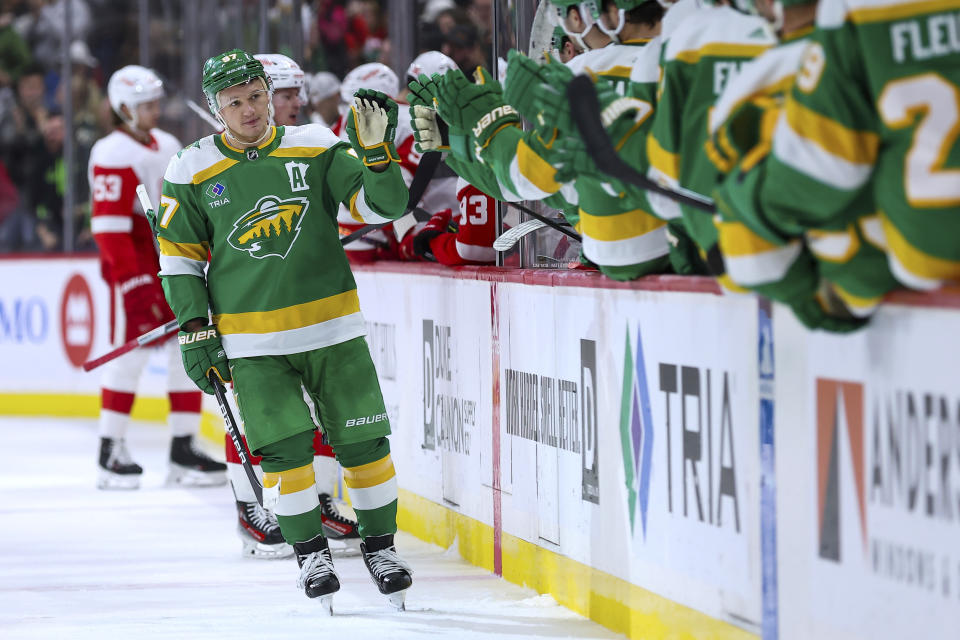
(271,228)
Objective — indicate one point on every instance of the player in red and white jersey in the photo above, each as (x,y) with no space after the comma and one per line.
(136,152)
(454,239)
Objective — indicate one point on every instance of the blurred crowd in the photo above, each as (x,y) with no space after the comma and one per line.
(338,36)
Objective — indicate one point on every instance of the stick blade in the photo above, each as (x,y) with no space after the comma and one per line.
(511,236)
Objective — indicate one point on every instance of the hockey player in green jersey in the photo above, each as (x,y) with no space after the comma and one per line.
(261,201)
(785,268)
(620,236)
(876,111)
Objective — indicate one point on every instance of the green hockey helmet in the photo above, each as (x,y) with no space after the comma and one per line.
(229,69)
(590,11)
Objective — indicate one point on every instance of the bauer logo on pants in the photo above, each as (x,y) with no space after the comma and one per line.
(271,228)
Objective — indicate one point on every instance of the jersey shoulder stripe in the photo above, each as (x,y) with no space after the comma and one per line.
(831,15)
(646,66)
(198,162)
(771,73)
(307,140)
(719,31)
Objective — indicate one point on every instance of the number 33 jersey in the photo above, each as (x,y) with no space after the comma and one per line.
(875,109)
(118,163)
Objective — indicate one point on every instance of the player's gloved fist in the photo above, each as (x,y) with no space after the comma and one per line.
(429,131)
(423,90)
(144,305)
(524,79)
(372,126)
(202,352)
(439,223)
(478,108)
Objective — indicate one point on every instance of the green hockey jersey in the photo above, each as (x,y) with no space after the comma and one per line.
(756,256)
(876,108)
(704,52)
(278,280)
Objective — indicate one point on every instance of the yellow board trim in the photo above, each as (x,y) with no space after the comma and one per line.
(620,226)
(292,480)
(370,474)
(193,250)
(292,317)
(857,147)
(722,50)
(610,601)
(297,152)
(212,170)
(900,11)
(535,169)
(664,161)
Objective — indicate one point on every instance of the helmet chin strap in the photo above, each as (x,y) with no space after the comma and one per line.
(270,122)
(614,33)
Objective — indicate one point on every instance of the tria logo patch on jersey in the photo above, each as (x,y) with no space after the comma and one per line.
(218,195)
(296,172)
(271,228)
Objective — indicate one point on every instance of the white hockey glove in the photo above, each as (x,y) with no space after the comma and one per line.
(372,126)
(429,131)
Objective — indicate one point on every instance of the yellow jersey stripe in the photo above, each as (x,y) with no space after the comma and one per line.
(721,50)
(192,250)
(916,261)
(370,474)
(856,147)
(620,226)
(212,170)
(900,11)
(353,208)
(290,481)
(737,239)
(297,152)
(666,162)
(226,143)
(535,169)
(287,318)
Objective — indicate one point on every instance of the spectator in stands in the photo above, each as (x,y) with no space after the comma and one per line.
(463,45)
(323,91)
(332,29)
(42,27)
(14,54)
(44,185)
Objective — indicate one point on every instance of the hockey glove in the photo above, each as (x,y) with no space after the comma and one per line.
(438,224)
(424,90)
(202,352)
(429,131)
(144,306)
(744,131)
(372,126)
(478,108)
(524,80)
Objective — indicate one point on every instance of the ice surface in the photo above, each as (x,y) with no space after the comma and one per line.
(165,562)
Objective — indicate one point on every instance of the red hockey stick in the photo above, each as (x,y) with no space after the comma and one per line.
(150,336)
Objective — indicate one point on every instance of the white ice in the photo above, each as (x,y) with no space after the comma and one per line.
(164,562)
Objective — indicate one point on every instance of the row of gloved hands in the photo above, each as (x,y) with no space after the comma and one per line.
(454,113)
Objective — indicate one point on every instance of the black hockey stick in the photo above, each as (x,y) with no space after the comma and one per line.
(234,432)
(585,109)
(425,170)
(547,221)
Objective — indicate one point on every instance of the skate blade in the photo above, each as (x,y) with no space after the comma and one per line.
(185,477)
(326,604)
(111,481)
(398,600)
(344,547)
(262,551)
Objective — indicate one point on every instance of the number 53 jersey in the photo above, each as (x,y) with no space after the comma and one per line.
(876,107)
(278,281)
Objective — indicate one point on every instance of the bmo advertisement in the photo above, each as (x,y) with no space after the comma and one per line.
(54,316)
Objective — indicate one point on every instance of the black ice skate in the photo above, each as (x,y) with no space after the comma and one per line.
(390,573)
(191,467)
(342,533)
(117,469)
(318,578)
(260,533)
